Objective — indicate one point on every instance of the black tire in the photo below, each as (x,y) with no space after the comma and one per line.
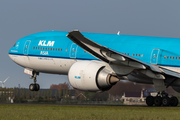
(174,101)
(157,101)
(31,87)
(37,87)
(150,100)
(166,101)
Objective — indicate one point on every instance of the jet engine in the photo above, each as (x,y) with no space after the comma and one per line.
(91,76)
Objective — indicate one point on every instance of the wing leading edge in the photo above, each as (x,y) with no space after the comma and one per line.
(110,56)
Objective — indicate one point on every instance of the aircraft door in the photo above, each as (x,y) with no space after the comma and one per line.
(155,56)
(26,47)
(73,50)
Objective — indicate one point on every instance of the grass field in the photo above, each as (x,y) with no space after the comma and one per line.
(57,112)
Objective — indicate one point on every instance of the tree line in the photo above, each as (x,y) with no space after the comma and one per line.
(64,93)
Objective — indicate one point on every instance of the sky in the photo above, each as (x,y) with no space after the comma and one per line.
(19,18)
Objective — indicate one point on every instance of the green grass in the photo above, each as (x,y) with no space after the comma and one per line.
(57,112)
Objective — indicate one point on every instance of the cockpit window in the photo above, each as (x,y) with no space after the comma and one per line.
(14,45)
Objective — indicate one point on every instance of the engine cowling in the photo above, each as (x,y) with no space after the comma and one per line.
(91,76)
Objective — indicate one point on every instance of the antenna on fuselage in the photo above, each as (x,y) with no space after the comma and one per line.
(118,32)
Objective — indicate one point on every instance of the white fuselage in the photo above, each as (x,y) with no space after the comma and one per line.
(44,64)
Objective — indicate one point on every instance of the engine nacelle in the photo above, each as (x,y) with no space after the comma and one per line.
(91,76)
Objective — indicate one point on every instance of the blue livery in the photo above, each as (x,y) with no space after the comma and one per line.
(155,50)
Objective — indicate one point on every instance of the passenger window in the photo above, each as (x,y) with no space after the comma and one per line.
(170,57)
(141,55)
(133,54)
(128,54)
(33,47)
(173,57)
(36,48)
(45,48)
(125,53)
(51,49)
(179,58)
(136,55)
(164,57)
(66,50)
(61,49)
(41,48)
(56,49)
(176,57)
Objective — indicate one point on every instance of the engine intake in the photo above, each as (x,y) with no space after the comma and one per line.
(91,76)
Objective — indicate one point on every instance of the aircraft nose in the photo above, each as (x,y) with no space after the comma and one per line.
(12,51)
(12,57)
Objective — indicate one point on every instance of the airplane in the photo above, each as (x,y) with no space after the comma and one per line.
(97,61)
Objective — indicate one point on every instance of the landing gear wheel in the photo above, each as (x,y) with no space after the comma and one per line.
(37,87)
(32,87)
(150,100)
(174,101)
(157,101)
(166,101)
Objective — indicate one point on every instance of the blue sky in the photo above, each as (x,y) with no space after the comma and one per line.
(19,18)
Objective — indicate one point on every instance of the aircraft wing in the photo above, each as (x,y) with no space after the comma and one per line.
(110,56)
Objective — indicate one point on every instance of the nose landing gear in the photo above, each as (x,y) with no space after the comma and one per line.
(35,86)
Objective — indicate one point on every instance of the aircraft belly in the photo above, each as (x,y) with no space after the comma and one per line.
(44,64)
(175,69)
(20,60)
(51,65)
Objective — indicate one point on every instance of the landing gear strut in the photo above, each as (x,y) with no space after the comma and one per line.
(162,99)
(35,86)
